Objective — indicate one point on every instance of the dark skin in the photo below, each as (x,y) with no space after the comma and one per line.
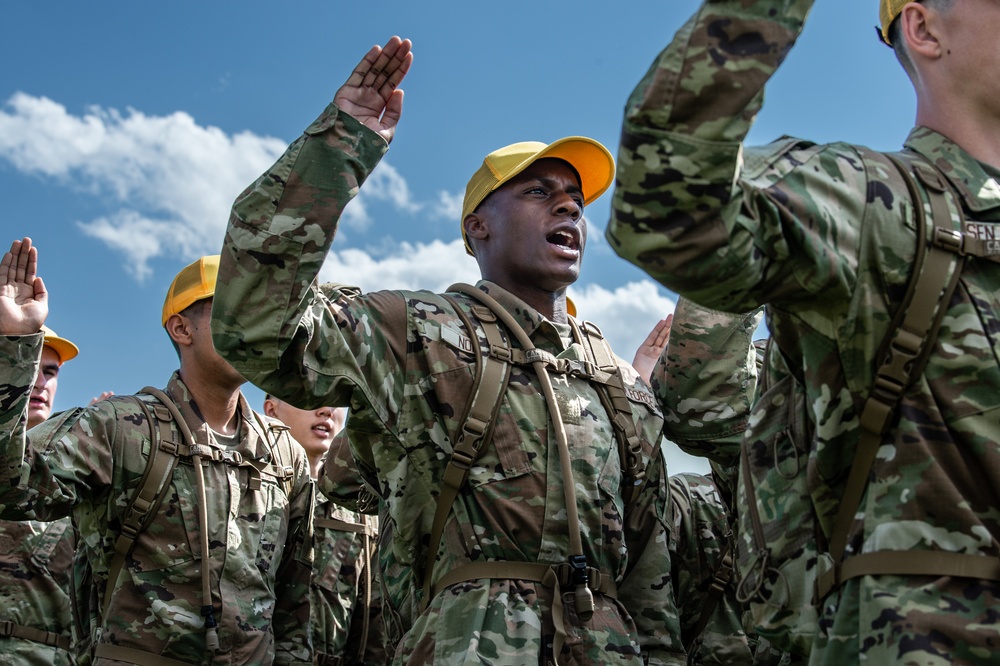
(529,235)
(213,383)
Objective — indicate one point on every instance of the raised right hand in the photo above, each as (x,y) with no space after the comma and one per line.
(24,303)
(370,94)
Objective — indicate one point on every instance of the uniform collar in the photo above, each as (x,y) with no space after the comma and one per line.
(979,190)
(525,315)
(252,438)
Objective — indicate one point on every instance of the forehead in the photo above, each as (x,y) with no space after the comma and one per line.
(548,168)
(49,356)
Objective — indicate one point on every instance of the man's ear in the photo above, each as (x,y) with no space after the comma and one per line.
(921,29)
(269,409)
(476,226)
(179,329)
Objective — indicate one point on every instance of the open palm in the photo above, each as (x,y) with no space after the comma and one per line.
(23,300)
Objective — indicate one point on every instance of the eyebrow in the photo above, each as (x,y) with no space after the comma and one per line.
(51,365)
(550,183)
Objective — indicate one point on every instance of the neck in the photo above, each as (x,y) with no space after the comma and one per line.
(217,404)
(549,304)
(315,463)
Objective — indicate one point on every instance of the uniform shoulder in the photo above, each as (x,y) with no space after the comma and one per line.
(774,161)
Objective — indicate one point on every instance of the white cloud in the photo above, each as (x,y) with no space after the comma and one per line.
(449,206)
(625,315)
(411,266)
(168,182)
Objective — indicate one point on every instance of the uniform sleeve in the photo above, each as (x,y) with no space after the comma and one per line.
(270,320)
(706,380)
(292,628)
(19,361)
(682,210)
(59,463)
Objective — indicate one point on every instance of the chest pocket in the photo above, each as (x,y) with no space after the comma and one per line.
(452,364)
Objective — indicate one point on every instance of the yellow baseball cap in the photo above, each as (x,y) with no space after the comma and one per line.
(570,307)
(591,160)
(195,282)
(61,346)
(887,12)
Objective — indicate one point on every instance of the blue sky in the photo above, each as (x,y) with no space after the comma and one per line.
(127,129)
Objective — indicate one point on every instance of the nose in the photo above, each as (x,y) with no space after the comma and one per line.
(325,412)
(567,205)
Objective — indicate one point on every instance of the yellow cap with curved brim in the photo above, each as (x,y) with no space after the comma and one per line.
(592,162)
(887,12)
(195,282)
(61,346)
(570,307)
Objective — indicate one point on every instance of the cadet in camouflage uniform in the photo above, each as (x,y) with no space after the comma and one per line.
(825,235)
(346,609)
(404,363)
(36,557)
(256,504)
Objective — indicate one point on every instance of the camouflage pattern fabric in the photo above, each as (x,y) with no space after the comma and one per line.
(90,464)
(35,571)
(402,362)
(345,629)
(706,380)
(700,535)
(824,234)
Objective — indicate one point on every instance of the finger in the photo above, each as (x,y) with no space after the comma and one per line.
(363,68)
(41,294)
(32,268)
(393,111)
(372,78)
(22,258)
(396,69)
(7,264)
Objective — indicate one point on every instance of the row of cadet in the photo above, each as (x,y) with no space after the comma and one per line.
(515,463)
(55,615)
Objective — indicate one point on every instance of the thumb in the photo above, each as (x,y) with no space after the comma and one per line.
(393,111)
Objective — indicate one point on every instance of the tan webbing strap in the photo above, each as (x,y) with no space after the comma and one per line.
(533,571)
(935,275)
(207,607)
(133,656)
(10,629)
(145,501)
(367,555)
(344,526)
(762,558)
(934,563)
(584,598)
(475,429)
(618,407)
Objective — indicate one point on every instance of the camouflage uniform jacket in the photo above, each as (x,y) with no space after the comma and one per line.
(825,235)
(89,466)
(36,561)
(401,360)
(339,611)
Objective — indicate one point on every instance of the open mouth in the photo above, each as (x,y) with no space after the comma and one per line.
(322,430)
(565,240)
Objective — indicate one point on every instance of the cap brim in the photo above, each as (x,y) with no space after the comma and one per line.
(64,348)
(592,161)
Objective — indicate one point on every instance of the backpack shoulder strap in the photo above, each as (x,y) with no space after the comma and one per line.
(618,407)
(145,500)
(476,425)
(903,356)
